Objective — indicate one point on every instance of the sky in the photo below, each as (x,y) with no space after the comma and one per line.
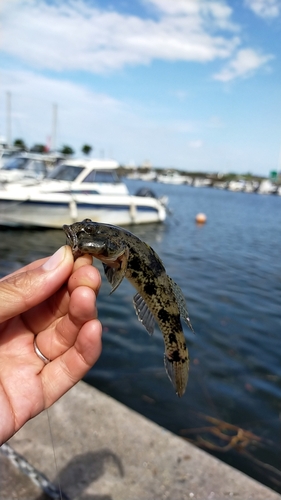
(187,84)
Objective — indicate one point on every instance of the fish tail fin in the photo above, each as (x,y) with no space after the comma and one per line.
(177,372)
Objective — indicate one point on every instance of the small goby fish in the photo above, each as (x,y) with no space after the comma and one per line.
(158,297)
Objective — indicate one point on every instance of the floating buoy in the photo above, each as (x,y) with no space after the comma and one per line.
(200,218)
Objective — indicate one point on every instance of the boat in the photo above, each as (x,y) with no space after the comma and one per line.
(251,186)
(267,187)
(171,177)
(73,191)
(26,166)
(236,185)
(202,182)
(5,155)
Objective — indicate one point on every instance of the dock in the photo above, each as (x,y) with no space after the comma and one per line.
(105,451)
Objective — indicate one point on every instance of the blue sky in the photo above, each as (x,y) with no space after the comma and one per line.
(191,84)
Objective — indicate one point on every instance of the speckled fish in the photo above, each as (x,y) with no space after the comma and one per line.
(158,297)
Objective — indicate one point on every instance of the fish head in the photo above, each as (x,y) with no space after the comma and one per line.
(89,237)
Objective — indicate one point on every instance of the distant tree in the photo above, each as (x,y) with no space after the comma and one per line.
(67,150)
(19,143)
(86,149)
(38,148)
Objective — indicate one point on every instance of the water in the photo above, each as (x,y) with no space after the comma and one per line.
(230,272)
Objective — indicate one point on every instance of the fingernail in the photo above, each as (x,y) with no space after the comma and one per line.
(54,261)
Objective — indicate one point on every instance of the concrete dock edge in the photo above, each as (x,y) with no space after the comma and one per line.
(105,451)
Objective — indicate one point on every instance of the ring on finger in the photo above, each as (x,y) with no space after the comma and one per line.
(39,353)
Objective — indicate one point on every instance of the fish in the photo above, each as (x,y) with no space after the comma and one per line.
(158,299)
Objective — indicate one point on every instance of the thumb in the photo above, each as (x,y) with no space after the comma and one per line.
(25,289)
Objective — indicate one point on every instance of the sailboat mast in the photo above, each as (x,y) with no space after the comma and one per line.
(54,130)
(8,119)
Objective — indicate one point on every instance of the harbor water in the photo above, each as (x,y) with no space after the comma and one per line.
(230,272)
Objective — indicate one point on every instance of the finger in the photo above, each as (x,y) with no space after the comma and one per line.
(63,334)
(66,370)
(28,267)
(86,275)
(24,290)
(83,260)
(54,337)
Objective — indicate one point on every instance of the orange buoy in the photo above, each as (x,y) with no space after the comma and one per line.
(200,218)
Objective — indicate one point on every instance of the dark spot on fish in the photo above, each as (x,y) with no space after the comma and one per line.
(134,274)
(134,261)
(150,288)
(172,338)
(155,263)
(175,356)
(164,315)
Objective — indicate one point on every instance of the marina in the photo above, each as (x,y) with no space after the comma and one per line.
(229,271)
(144,135)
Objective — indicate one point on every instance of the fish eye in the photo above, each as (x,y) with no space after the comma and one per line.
(87,226)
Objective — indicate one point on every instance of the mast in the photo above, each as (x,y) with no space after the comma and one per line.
(8,118)
(54,128)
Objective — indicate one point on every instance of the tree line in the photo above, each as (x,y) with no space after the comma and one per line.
(41,148)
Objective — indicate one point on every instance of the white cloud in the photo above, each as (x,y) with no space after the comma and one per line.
(244,64)
(216,13)
(73,35)
(81,112)
(265,8)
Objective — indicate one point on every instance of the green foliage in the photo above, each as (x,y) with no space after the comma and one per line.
(38,148)
(86,149)
(67,150)
(19,143)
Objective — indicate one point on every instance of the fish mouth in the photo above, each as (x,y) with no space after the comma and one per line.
(72,240)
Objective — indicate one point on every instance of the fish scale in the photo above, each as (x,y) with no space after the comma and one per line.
(158,297)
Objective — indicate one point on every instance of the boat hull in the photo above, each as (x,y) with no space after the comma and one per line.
(53,212)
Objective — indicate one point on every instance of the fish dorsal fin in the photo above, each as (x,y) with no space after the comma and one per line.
(116,272)
(143,313)
(181,303)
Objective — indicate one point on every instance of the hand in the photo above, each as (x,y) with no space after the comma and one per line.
(55,300)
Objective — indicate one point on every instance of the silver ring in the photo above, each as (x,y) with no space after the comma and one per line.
(39,353)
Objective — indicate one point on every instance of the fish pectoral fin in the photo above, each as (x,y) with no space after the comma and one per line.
(143,313)
(181,303)
(115,274)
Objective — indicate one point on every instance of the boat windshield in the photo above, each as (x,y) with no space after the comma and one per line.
(16,163)
(36,166)
(102,176)
(65,172)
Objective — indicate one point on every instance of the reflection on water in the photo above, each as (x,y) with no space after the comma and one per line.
(230,272)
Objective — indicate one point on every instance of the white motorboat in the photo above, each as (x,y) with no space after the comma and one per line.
(5,155)
(267,187)
(171,177)
(26,166)
(236,185)
(73,191)
(202,182)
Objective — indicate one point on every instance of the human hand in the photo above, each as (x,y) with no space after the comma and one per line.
(55,300)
